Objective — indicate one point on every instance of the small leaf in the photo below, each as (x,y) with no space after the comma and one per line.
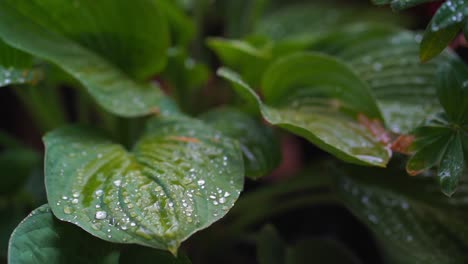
(270,247)
(40,238)
(260,148)
(319,98)
(187,176)
(435,41)
(16,67)
(107,54)
(415,226)
(452,91)
(451,165)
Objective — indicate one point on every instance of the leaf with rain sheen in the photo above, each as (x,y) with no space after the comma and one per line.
(41,238)
(401,4)
(404,87)
(180,177)
(415,227)
(319,98)
(259,146)
(16,67)
(107,54)
(444,27)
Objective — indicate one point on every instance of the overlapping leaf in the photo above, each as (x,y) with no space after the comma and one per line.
(414,227)
(16,67)
(91,42)
(180,177)
(319,98)
(260,148)
(401,4)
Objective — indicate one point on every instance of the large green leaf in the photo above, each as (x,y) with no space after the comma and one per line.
(16,67)
(91,42)
(404,87)
(319,98)
(180,177)
(260,148)
(40,238)
(414,225)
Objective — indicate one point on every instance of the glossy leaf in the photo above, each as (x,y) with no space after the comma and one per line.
(16,67)
(107,54)
(404,87)
(41,238)
(260,148)
(414,227)
(319,98)
(435,41)
(16,165)
(187,176)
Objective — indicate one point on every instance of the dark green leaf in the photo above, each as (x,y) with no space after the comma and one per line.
(181,26)
(16,165)
(95,46)
(259,146)
(452,90)
(180,177)
(270,247)
(40,238)
(416,225)
(319,98)
(314,250)
(435,41)
(15,66)
(10,215)
(142,255)
(452,165)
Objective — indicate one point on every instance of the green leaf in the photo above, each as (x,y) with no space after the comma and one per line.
(270,247)
(314,250)
(404,87)
(435,41)
(319,98)
(260,147)
(415,226)
(40,238)
(181,26)
(243,56)
(107,54)
(16,165)
(10,215)
(16,67)
(452,165)
(187,176)
(142,255)
(452,91)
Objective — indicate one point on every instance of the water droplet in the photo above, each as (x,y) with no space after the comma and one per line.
(99,193)
(117,183)
(100,215)
(67,210)
(201,182)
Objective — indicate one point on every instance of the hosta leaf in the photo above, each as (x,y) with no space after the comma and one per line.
(259,146)
(16,67)
(180,177)
(16,165)
(414,227)
(40,238)
(404,87)
(319,98)
(87,39)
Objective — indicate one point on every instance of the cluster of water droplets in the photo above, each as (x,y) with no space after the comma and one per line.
(14,76)
(451,12)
